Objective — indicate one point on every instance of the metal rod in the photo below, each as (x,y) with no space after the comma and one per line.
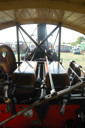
(28,35)
(62,111)
(59,42)
(76,74)
(23,39)
(43,85)
(38,46)
(55,39)
(41,41)
(78,78)
(18,49)
(43,90)
(33,56)
(44,73)
(53,91)
(47,98)
(49,34)
(38,76)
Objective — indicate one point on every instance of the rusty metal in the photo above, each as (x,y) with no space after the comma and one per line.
(7,59)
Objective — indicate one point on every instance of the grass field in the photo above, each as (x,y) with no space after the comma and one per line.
(78,58)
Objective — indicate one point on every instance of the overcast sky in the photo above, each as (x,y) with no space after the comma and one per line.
(9,35)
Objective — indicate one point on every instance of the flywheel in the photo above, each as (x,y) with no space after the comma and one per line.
(7,59)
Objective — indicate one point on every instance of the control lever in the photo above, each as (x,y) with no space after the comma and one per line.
(43,90)
(62,111)
(7,100)
(43,85)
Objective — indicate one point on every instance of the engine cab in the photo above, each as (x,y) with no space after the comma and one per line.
(39,92)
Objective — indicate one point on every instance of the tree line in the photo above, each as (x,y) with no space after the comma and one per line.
(78,41)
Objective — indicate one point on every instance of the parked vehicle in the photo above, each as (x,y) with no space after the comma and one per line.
(75,50)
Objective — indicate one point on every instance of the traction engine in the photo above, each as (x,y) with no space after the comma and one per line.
(39,92)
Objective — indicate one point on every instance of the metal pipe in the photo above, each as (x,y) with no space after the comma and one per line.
(44,73)
(24,39)
(43,90)
(59,42)
(18,49)
(38,76)
(33,56)
(43,85)
(53,91)
(55,39)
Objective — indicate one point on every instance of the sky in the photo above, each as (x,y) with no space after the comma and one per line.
(9,35)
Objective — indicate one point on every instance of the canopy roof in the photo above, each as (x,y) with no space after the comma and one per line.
(71,13)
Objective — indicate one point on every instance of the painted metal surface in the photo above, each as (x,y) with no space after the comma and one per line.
(53,118)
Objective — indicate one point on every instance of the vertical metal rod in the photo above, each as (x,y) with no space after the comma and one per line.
(53,91)
(43,85)
(18,49)
(59,42)
(44,73)
(39,71)
(55,39)
(24,39)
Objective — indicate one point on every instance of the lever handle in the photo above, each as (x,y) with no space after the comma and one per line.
(62,111)
(6,98)
(43,91)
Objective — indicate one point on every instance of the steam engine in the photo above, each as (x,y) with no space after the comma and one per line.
(39,92)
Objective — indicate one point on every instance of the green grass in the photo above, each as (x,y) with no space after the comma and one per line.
(78,58)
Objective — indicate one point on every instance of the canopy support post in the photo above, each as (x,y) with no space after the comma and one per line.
(18,48)
(59,42)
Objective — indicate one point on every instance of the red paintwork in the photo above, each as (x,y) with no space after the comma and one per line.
(53,118)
